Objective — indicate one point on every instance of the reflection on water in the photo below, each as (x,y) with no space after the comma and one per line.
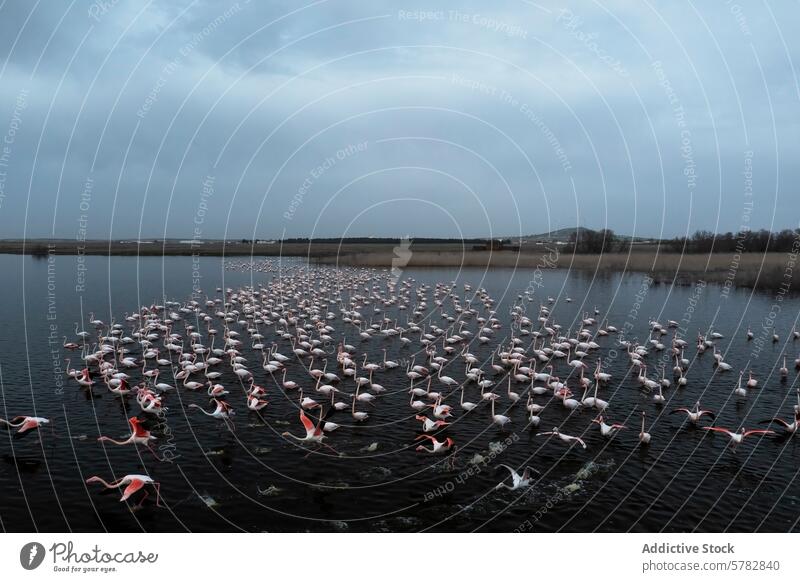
(253,479)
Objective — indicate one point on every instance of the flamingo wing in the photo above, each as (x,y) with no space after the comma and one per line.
(686,410)
(307,423)
(510,470)
(718,429)
(758,431)
(132,488)
(136,428)
(28,424)
(579,441)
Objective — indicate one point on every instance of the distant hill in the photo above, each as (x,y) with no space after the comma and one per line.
(565,234)
(562,234)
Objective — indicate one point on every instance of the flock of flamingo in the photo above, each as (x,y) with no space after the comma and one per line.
(235,347)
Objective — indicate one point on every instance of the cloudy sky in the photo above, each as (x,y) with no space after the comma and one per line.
(428,118)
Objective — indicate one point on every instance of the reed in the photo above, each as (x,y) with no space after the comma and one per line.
(771,271)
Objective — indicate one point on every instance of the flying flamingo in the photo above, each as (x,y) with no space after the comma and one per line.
(736,438)
(134,483)
(438,447)
(85,378)
(314,433)
(216,390)
(139,435)
(517,481)
(608,430)
(25,423)
(790,428)
(429,425)
(222,410)
(695,414)
(564,437)
(441,411)
(255,403)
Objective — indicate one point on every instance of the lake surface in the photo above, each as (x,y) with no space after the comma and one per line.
(253,479)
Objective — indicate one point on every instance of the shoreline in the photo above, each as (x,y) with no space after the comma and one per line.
(767,271)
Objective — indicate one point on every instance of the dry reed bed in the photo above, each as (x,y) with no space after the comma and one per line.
(763,271)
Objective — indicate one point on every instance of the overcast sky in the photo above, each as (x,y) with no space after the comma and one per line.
(339,118)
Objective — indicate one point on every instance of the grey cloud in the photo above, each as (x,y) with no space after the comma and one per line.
(532,101)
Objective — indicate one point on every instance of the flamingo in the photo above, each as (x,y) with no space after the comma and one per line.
(513,396)
(118,387)
(739,391)
(216,390)
(429,425)
(696,414)
(737,438)
(517,481)
(132,483)
(608,430)
(307,403)
(288,384)
(70,345)
(599,375)
(466,405)
(139,435)
(255,403)
(314,433)
(358,416)
(438,446)
(85,378)
(441,411)
(419,405)
(594,401)
(499,419)
(388,364)
(25,423)
(222,410)
(565,438)
(568,403)
(644,437)
(790,428)
(446,380)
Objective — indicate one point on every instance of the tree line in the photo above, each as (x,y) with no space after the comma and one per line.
(586,240)
(744,241)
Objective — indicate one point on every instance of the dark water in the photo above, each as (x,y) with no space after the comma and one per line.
(686,479)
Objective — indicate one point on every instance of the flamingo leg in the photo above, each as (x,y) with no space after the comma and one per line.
(141,502)
(159,459)
(330,447)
